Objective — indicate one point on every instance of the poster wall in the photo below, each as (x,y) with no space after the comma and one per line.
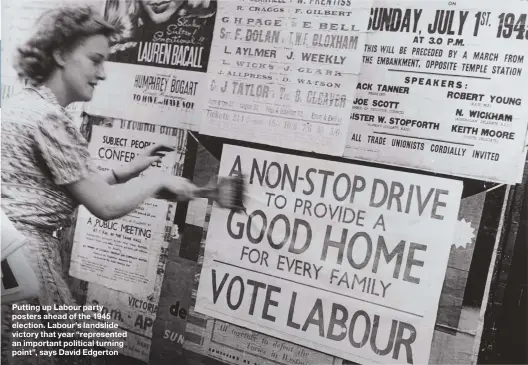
(351,243)
(471,242)
(284,74)
(122,254)
(158,65)
(442,88)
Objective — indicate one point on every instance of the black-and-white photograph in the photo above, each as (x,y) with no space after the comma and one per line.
(263,182)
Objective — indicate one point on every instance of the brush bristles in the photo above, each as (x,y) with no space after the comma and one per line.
(231,192)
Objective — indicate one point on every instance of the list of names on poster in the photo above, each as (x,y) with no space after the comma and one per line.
(284,72)
(441,88)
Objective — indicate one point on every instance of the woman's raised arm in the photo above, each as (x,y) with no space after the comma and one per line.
(114,201)
(107,196)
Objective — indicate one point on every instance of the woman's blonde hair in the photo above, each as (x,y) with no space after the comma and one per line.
(58,29)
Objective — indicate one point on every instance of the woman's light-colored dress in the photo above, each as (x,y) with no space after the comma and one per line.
(41,152)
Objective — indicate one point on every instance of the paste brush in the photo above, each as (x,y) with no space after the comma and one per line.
(227,192)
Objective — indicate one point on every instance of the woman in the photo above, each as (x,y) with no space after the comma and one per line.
(46,167)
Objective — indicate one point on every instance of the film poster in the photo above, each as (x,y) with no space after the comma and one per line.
(158,62)
(442,88)
(335,257)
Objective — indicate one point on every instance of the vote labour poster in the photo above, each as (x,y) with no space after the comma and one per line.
(284,74)
(443,88)
(123,254)
(158,64)
(331,256)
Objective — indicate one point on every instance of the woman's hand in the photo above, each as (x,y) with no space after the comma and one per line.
(152,154)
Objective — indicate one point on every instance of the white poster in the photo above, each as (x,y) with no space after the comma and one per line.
(332,256)
(157,69)
(443,88)
(123,254)
(284,73)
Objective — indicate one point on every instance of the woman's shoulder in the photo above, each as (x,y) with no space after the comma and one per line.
(29,108)
(27,105)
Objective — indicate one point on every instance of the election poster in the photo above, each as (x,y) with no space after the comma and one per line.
(235,345)
(285,73)
(158,62)
(123,254)
(431,94)
(333,256)
(475,235)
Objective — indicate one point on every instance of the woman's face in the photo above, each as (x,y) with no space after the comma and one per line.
(159,11)
(83,67)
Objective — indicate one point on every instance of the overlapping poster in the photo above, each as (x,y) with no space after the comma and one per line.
(284,73)
(123,254)
(133,314)
(158,62)
(442,88)
(168,333)
(332,256)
